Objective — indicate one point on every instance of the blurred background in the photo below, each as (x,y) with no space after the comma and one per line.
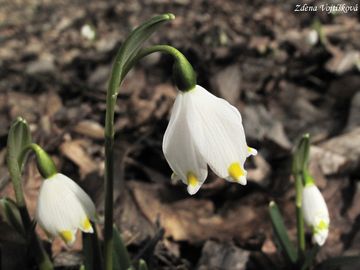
(287,72)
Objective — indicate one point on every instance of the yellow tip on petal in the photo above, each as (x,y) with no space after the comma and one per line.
(68,236)
(192,180)
(235,171)
(252,151)
(86,226)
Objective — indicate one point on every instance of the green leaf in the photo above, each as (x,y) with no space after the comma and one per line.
(281,233)
(19,137)
(131,47)
(336,262)
(120,253)
(11,215)
(91,251)
(301,155)
(142,265)
(134,42)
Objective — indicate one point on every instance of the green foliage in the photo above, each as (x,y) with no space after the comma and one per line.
(301,155)
(19,138)
(121,257)
(281,234)
(91,251)
(11,215)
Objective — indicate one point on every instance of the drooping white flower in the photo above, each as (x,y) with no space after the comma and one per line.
(316,214)
(63,207)
(205,130)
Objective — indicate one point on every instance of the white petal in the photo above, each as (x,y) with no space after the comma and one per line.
(192,188)
(216,127)
(320,237)
(81,195)
(60,210)
(179,148)
(314,206)
(315,213)
(251,151)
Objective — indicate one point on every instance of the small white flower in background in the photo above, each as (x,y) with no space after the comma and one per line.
(312,37)
(205,130)
(88,32)
(316,213)
(63,207)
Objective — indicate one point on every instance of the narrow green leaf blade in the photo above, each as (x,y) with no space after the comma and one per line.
(336,262)
(137,37)
(131,47)
(281,233)
(11,215)
(19,137)
(120,252)
(301,155)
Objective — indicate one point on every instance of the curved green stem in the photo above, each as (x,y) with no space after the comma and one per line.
(44,162)
(184,75)
(185,79)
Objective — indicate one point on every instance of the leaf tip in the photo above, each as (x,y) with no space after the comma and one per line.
(169,16)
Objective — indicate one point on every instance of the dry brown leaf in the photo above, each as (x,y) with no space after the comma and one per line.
(328,161)
(53,103)
(195,220)
(346,145)
(90,129)
(74,150)
(262,171)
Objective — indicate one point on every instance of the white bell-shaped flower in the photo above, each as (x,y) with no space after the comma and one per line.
(63,207)
(205,130)
(316,214)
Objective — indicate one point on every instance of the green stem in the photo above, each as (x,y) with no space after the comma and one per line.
(37,249)
(184,75)
(185,79)
(299,215)
(45,164)
(111,97)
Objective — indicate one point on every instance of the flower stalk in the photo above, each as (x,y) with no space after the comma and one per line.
(299,167)
(123,62)
(183,72)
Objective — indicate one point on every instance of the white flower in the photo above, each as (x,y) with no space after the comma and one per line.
(205,130)
(88,32)
(63,207)
(316,213)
